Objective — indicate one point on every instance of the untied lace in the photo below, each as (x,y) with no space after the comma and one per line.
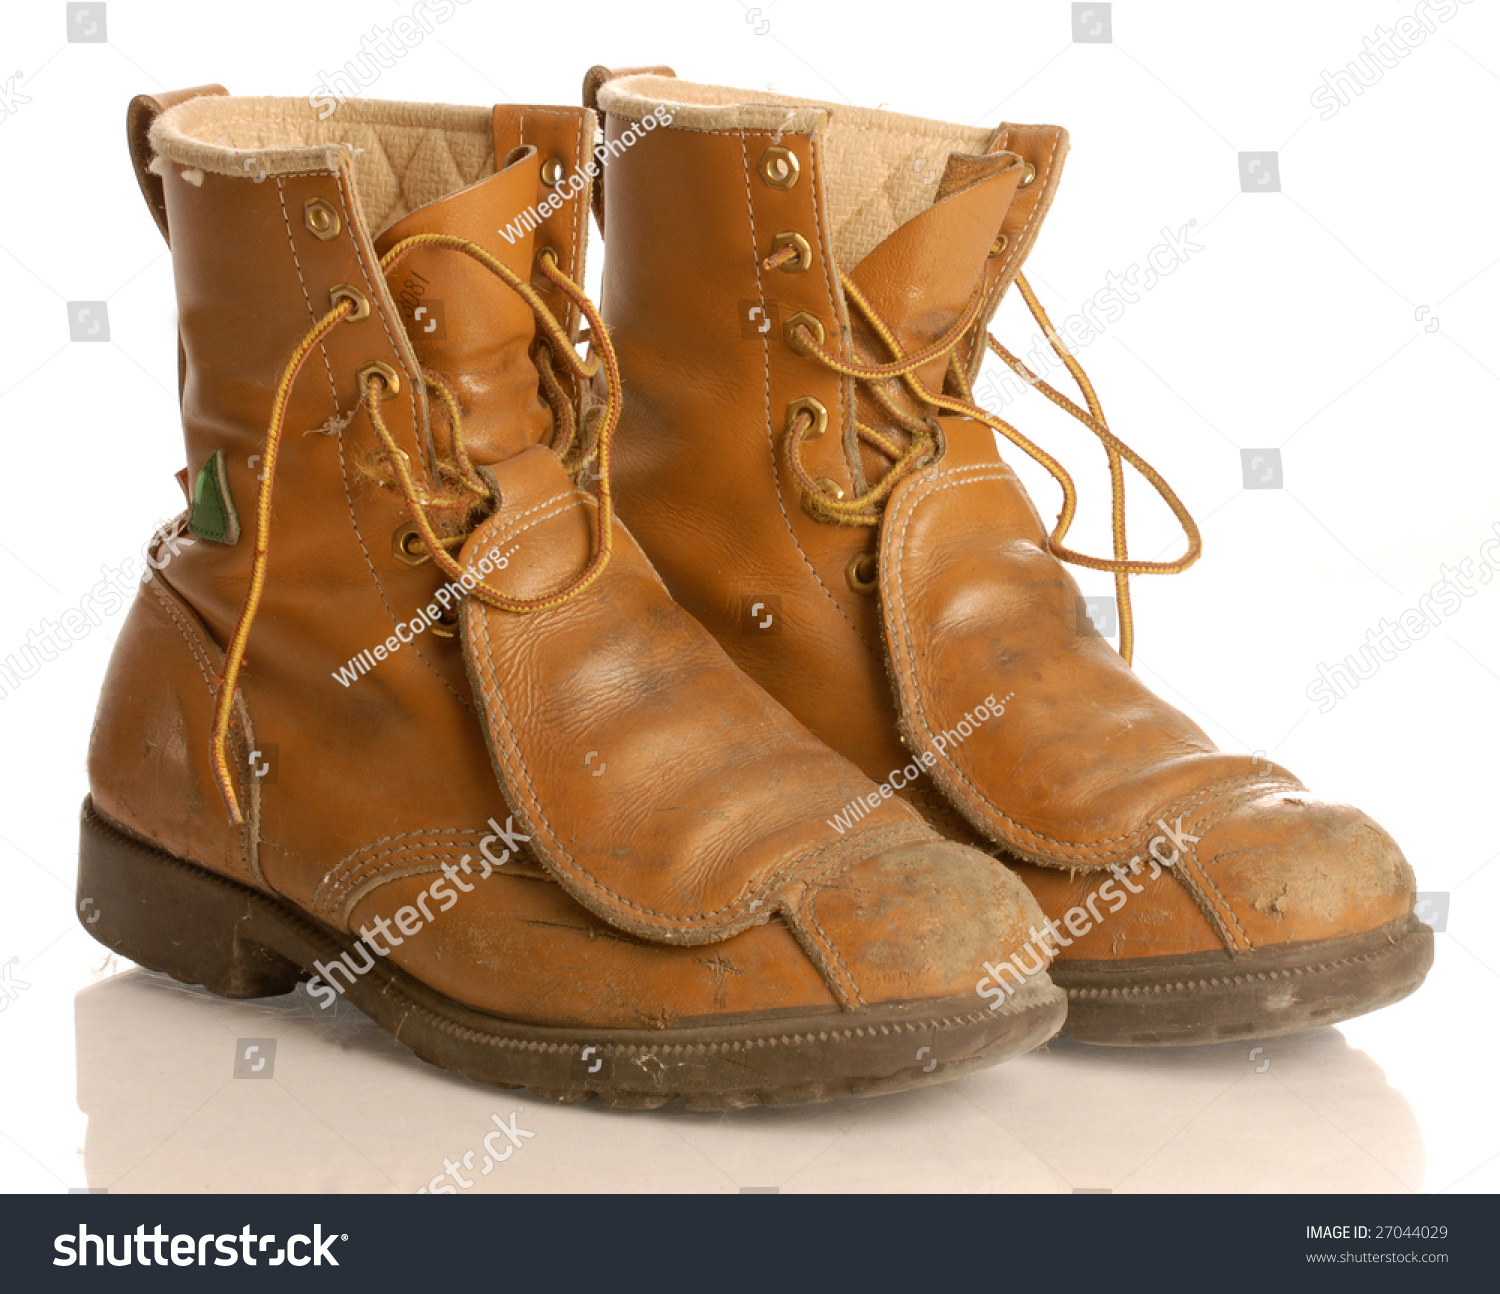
(864,509)
(556,342)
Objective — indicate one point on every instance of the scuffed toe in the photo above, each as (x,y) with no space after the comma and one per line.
(1292,869)
(915,922)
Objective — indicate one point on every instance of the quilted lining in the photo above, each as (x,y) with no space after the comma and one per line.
(405,154)
(881,168)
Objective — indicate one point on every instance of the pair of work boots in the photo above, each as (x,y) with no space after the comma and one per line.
(797,787)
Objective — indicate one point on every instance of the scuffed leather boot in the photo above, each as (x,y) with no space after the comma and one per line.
(408,713)
(799,294)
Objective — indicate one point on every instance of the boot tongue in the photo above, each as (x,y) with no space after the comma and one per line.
(920,278)
(470,330)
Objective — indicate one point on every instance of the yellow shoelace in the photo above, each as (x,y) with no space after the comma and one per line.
(462,473)
(923,439)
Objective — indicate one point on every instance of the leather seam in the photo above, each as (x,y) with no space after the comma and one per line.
(822,949)
(804,922)
(360,885)
(401,871)
(1189,874)
(770,434)
(510,531)
(413,380)
(846,413)
(338,877)
(374,295)
(367,866)
(204,663)
(344,462)
(906,511)
(312,314)
(249,831)
(1203,825)
(807,911)
(572,868)
(576,229)
(1011,266)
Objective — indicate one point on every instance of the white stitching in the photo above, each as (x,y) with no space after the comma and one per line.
(556,854)
(345,197)
(306,296)
(1087,851)
(770,432)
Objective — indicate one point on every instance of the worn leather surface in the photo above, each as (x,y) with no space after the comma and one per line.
(696,876)
(469,329)
(1087,766)
(1086,762)
(146,769)
(701,464)
(565,136)
(703,480)
(712,798)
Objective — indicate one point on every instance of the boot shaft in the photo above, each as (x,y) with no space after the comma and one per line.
(926,218)
(354,671)
(274,216)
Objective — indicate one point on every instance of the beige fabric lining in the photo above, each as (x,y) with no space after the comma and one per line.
(405,155)
(879,168)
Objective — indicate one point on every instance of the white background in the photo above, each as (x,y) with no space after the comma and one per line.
(1301,325)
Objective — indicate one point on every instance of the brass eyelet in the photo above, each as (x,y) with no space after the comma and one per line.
(830,487)
(863,574)
(552,172)
(348,292)
(803,259)
(802,319)
(322,218)
(779,167)
(999,245)
(1028,175)
(807,404)
(388,375)
(446,625)
(407,545)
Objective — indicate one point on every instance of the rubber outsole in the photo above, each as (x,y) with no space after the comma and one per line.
(1215,997)
(170,915)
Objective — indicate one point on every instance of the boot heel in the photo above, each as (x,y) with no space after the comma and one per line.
(171,915)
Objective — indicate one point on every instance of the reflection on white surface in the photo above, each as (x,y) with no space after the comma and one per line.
(329,1102)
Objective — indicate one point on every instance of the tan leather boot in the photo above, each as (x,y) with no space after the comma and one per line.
(406,712)
(799,294)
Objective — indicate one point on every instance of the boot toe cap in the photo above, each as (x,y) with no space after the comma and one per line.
(1292,869)
(917,922)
